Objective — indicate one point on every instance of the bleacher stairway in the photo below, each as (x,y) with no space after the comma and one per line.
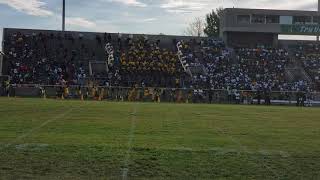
(295,71)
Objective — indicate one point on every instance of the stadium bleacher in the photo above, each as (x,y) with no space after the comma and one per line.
(310,56)
(146,64)
(124,60)
(43,58)
(265,67)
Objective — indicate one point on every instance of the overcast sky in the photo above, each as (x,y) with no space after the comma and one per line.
(127,16)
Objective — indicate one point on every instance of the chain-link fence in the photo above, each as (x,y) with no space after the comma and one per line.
(171,95)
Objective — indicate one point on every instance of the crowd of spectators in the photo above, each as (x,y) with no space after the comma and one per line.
(260,70)
(264,67)
(208,61)
(252,69)
(49,58)
(146,64)
(310,56)
(199,64)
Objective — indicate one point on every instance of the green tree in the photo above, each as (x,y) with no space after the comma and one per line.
(212,28)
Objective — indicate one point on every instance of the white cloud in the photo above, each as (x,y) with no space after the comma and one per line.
(200,7)
(131,18)
(149,20)
(80,22)
(31,7)
(106,26)
(274,4)
(130,2)
(183,6)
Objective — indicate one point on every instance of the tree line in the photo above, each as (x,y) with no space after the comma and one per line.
(210,26)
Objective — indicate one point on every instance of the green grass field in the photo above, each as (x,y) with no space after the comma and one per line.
(52,139)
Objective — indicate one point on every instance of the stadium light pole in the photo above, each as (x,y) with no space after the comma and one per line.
(318,17)
(63,15)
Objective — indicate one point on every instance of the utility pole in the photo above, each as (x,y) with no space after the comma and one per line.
(318,18)
(63,15)
(1,61)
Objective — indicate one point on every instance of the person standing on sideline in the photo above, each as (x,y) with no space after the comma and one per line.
(7,87)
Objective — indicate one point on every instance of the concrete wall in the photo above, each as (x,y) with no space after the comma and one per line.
(31,91)
(246,39)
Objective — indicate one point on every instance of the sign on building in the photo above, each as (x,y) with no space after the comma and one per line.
(300,29)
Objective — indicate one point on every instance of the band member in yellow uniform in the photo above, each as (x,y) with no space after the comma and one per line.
(80,93)
(101,94)
(93,92)
(66,92)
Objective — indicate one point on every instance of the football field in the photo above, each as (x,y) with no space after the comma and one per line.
(65,139)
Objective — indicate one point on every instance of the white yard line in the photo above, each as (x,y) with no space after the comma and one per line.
(64,114)
(36,128)
(125,169)
(245,149)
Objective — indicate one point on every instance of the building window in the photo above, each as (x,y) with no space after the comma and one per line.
(285,19)
(272,19)
(316,19)
(258,19)
(301,19)
(243,19)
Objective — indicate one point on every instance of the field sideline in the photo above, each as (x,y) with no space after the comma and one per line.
(55,139)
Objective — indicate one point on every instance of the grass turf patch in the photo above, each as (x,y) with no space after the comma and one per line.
(73,139)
